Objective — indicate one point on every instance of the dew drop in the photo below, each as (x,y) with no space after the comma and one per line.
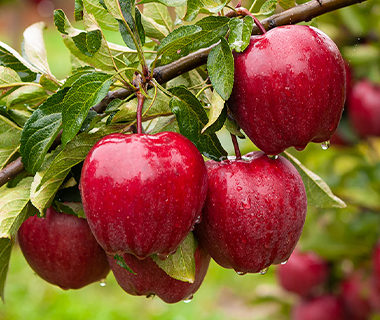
(188,299)
(238,188)
(273,157)
(325,145)
(199,219)
(264,271)
(241,273)
(284,262)
(162,256)
(103,282)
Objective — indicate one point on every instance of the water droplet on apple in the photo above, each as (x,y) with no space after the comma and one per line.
(273,157)
(188,299)
(264,271)
(241,273)
(325,145)
(284,262)
(199,219)
(239,188)
(103,282)
(162,256)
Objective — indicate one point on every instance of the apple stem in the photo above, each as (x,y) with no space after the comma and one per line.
(140,103)
(236,147)
(241,11)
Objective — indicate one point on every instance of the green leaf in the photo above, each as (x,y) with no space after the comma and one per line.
(121,262)
(220,66)
(181,264)
(12,59)
(78,10)
(160,14)
(33,47)
(269,7)
(160,107)
(73,208)
(174,46)
(49,82)
(9,140)
(318,192)
(8,76)
(233,128)
(168,3)
(87,91)
(26,96)
(76,75)
(217,116)
(102,16)
(94,41)
(5,256)
(240,33)
(166,124)
(194,7)
(40,131)
(14,207)
(191,119)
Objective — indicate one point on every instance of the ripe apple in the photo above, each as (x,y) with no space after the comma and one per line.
(61,249)
(303,273)
(364,108)
(150,279)
(254,212)
(325,307)
(355,293)
(142,194)
(289,88)
(376,265)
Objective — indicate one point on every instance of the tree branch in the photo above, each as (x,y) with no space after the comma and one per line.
(300,13)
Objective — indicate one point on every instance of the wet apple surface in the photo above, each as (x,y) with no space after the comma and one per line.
(289,88)
(142,194)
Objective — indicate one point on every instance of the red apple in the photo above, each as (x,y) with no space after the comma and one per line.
(61,249)
(326,307)
(142,194)
(254,212)
(289,88)
(303,273)
(150,279)
(364,108)
(355,293)
(376,265)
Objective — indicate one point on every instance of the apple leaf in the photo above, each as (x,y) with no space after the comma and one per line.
(166,124)
(217,115)
(102,16)
(202,34)
(12,59)
(160,14)
(168,3)
(33,47)
(194,7)
(14,207)
(287,4)
(181,264)
(5,256)
(10,135)
(73,208)
(240,33)
(87,91)
(78,10)
(121,262)
(268,7)
(8,76)
(318,192)
(29,95)
(220,66)
(191,119)
(160,107)
(40,131)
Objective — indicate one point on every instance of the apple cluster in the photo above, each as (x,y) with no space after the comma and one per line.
(143,194)
(354,296)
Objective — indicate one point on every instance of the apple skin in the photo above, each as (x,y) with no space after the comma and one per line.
(61,249)
(289,88)
(364,108)
(142,194)
(355,293)
(150,279)
(325,307)
(303,273)
(254,212)
(376,265)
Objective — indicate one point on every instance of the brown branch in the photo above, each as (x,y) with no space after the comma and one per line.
(300,13)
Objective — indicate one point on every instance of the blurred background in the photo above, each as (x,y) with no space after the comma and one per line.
(343,239)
